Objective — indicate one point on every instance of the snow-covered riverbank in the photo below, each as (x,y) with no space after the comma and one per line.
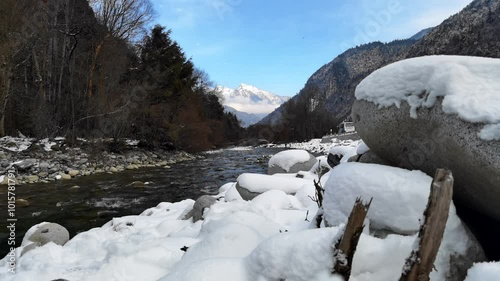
(49,160)
(316,146)
(271,237)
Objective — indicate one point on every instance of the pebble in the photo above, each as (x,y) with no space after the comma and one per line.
(65,176)
(73,162)
(22,203)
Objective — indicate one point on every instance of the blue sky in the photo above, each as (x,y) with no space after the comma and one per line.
(276,45)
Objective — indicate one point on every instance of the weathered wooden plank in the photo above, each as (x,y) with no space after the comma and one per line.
(421,261)
(345,248)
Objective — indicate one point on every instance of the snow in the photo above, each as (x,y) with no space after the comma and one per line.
(47,144)
(347,150)
(262,183)
(269,238)
(469,86)
(293,256)
(484,271)
(314,146)
(399,196)
(286,159)
(131,142)
(490,132)
(15,144)
(362,148)
(250,99)
(277,199)
(232,194)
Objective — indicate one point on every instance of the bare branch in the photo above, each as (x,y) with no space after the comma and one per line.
(124,19)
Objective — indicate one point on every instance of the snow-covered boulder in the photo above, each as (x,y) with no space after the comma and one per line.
(291,161)
(399,196)
(44,233)
(433,112)
(344,152)
(251,185)
(399,199)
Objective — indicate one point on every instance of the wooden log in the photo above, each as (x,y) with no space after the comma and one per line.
(345,248)
(421,261)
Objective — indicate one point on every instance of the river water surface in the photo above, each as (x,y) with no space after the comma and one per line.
(101,197)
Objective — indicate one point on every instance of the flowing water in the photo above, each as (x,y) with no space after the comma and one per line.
(101,197)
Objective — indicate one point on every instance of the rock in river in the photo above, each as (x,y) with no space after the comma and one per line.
(291,161)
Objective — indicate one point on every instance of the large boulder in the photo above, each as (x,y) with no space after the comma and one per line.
(437,111)
(435,140)
(291,161)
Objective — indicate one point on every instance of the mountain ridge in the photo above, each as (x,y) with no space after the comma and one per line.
(249,103)
(473,31)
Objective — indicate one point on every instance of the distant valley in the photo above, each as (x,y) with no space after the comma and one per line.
(249,103)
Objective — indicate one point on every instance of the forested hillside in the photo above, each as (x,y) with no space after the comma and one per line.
(92,69)
(326,99)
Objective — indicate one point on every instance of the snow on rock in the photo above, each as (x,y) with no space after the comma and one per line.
(345,152)
(321,163)
(258,183)
(381,259)
(290,161)
(286,159)
(15,144)
(232,194)
(314,145)
(484,271)
(224,188)
(399,196)
(293,256)
(277,199)
(268,238)
(469,86)
(127,248)
(362,148)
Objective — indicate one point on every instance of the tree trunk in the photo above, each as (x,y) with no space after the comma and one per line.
(5,78)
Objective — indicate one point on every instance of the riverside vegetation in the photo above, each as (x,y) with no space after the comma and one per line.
(91,69)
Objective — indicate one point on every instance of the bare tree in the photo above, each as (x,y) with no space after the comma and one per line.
(12,40)
(124,19)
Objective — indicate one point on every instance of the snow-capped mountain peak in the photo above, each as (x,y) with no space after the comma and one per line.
(251,100)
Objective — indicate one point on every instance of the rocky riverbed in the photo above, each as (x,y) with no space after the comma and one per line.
(49,160)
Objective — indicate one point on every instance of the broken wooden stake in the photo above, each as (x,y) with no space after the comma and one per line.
(421,261)
(346,247)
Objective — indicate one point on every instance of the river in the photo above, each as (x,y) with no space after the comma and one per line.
(101,197)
